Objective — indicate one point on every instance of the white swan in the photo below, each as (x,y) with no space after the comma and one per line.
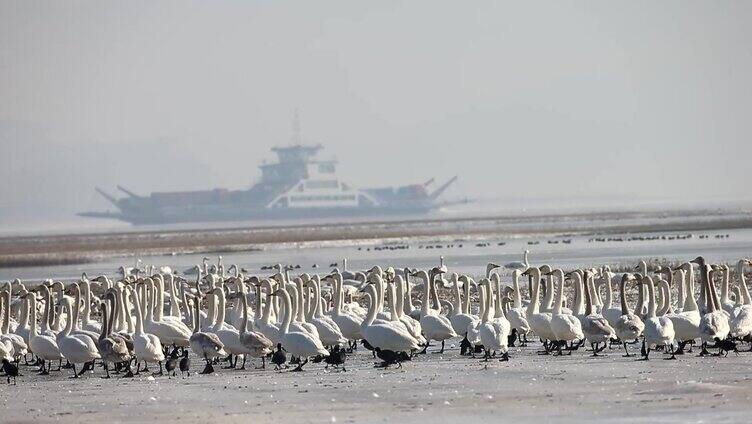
(611,313)
(659,331)
(412,325)
(77,349)
(265,325)
(687,321)
(435,326)
(299,343)
(146,346)
(540,322)
(204,344)
(566,327)
(44,346)
(111,349)
(494,332)
(629,326)
(595,327)
(516,315)
(460,318)
(19,345)
(228,335)
(171,332)
(741,317)
(257,345)
(385,335)
(86,323)
(328,330)
(714,324)
(348,323)
(517,265)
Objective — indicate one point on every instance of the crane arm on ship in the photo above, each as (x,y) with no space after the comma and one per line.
(441,189)
(128,192)
(107,196)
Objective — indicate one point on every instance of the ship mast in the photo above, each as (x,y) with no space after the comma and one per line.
(296,128)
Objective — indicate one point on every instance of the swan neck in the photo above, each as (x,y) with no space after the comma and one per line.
(103,332)
(457,301)
(435,294)
(87,305)
(534,306)
(623,289)
(286,314)
(680,288)
(6,313)
(24,318)
(517,294)
(139,313)
(651,298)
(244,304)
(743,284)
(559,294)
(33,312)
(221,307)
(71,319)
(426,293)
(579,302)
(609,291)
(588,299)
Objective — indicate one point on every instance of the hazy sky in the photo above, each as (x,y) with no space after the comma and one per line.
(518,98)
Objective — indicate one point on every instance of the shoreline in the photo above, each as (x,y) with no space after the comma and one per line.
(28,251)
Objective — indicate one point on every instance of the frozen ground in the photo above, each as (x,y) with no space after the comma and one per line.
(439,388)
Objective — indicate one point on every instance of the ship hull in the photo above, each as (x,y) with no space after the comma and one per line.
(242,214)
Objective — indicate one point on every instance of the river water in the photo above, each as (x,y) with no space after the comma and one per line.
(466,255)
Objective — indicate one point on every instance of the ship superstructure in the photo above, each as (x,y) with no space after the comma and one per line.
(297,185)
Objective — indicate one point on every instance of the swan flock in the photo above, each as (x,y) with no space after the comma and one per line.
(151,320)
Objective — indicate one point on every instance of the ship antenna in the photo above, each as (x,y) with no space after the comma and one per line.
(296,128)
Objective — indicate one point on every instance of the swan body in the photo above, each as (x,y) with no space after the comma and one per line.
(146,346)
(659,331)
(43,345)
(595,327)
(77,349)
(386,336)
(435,326)
(299,343)
(516,315)
(566,327)
(540,322)
(493,332)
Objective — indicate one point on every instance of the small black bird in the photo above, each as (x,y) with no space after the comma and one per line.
(465,346)
(726,346)
(367,346)
(336,357)
(185,364)
(390,357)
(279,357)
(171,364)
(512,337)
(11,371)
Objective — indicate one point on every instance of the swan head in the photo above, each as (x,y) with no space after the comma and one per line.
(698,260)
(376,270)
(533,271)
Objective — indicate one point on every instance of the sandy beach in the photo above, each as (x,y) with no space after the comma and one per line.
(438,388)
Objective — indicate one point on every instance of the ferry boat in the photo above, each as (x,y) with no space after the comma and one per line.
(297,185)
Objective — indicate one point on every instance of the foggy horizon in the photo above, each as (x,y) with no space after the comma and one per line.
(638,100)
